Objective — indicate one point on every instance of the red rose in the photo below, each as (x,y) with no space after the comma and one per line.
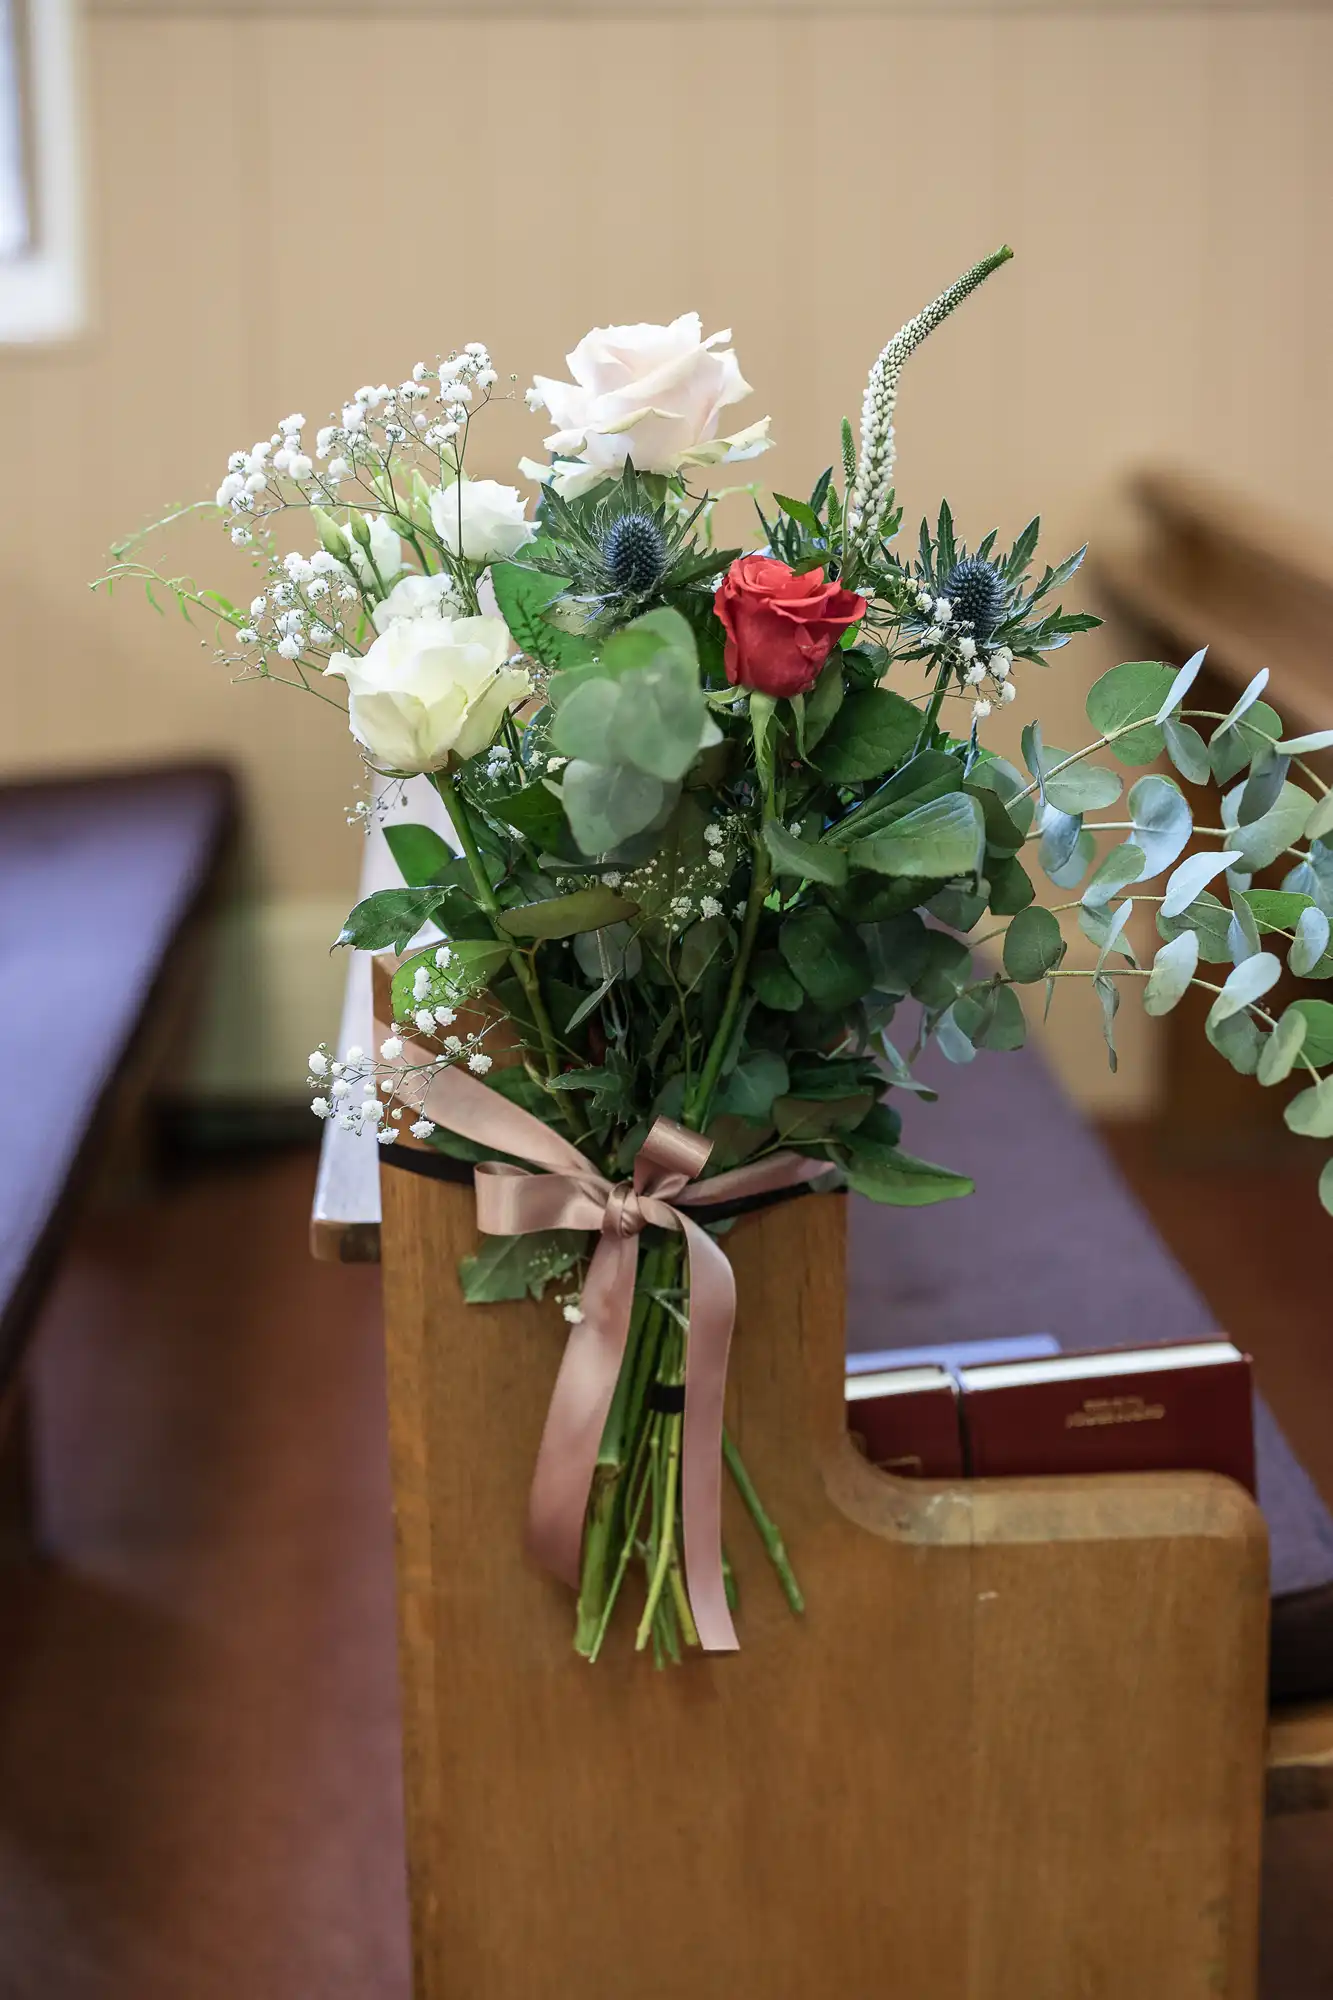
(780,627)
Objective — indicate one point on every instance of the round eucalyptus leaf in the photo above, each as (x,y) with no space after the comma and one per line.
(1311,1111)
(1318,1046)
(1282,1048)
(1261,842)
(1172,970)
(1192,876)
(1249,981)
(1311,942)
(1070,873)
(1033,945)
(1297,746)
(1187,751)
(1162,822)
(1121,867)
(1239,1039)
(1181,685)
(1320,821)
(1059,838)
(1080,787)
(1123,705)
(954,1045)
(1326,1186)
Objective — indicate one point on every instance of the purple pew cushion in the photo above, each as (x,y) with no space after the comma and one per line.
(97,876)
(1053,1242)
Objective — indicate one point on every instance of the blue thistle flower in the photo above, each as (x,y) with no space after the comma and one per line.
(634,550)
(976,592)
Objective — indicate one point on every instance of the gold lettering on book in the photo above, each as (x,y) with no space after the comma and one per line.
(1114,1410)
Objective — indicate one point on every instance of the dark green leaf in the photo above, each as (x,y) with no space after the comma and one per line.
(776,985)
(827,957)
(565,916)
(1011,887)
(471,966)
(1033,945)
(873,731)
(802,859)
(801,1120)
(419,853)
(991,1017)
(752,1086)
(522,596)
(518,1267)
(822,704)
(940,839)
(391,917)
(902,1180)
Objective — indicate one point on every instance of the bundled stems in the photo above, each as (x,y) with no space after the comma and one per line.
(461,820)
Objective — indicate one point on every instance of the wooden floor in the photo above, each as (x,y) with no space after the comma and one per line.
(199,1793)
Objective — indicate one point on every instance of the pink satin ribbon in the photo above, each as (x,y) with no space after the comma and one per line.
(568,1193)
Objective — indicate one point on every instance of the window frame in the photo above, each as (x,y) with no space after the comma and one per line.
(42,287)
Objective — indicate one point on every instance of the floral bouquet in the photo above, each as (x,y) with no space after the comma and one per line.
(724,829)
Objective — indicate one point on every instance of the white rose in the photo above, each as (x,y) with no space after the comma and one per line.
(386,551)
(429,687)
(490,516)
(651,393)
(416,596)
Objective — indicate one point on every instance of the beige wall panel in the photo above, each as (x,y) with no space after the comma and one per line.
(284,208)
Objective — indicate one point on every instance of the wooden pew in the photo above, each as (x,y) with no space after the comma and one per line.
(105,882)
(1026,1709)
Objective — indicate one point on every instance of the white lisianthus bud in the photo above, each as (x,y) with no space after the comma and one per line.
(429,688)
(481,520)
(385,550)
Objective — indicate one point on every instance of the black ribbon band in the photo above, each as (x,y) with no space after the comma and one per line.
(669,1397)
(440,1167)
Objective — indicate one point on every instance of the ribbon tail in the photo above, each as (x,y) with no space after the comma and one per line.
(712,1316)
(572,1435)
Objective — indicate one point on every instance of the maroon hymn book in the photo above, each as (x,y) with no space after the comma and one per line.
(905,1420)
(1186,1408)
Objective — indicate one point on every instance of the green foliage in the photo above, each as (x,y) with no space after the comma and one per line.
(391,918)
(873,731)
(524,597)
(943,838)
(1033,945)
(564,916)
(1124,705)
(520,1267)
(1172,971)
(419,853)
(828,958)
(472,965)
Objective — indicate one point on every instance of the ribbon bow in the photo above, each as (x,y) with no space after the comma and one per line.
(567,1192)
